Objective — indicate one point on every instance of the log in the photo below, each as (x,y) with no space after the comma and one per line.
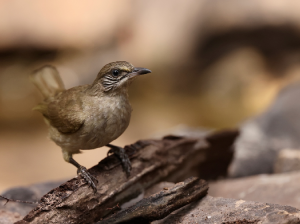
(160,205)
(172,158)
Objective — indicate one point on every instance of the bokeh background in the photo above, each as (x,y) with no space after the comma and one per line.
(214,64)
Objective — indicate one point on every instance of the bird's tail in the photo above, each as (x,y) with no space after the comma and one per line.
(47,80)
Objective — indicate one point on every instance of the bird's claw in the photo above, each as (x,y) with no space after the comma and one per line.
(90,179)
(120,153)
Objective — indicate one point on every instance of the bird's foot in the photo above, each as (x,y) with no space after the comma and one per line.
(89,178)
(120,153)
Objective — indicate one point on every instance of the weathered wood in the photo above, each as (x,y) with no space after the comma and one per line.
(172,158)
(161,204)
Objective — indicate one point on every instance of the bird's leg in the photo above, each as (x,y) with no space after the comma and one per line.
(120,153)
(81,170)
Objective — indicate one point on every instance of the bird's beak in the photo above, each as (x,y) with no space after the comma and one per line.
(139,71)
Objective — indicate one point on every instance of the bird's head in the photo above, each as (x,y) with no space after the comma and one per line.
(117,75)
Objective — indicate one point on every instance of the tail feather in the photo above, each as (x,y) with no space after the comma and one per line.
(47,80)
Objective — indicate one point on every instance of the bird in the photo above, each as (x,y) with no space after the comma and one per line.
(87,116)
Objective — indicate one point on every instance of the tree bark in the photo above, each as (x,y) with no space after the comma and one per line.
(160,205)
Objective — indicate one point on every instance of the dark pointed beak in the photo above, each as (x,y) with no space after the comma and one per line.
(141,71)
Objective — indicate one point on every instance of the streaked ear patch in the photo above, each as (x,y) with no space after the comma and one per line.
(109,79)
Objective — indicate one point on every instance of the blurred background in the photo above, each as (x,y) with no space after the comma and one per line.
(214,65)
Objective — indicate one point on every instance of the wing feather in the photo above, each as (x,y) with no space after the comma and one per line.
(64,112)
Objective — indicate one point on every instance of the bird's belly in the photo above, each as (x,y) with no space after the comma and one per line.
(105,133)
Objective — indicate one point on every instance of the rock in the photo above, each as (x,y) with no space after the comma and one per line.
(287,160)
(263,137)
(20,193)
(212,210)
(7,217)
(31,193)
(281,189)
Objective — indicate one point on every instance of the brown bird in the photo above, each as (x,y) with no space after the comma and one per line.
(87,116)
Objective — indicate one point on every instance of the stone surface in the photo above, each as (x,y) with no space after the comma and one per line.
(212,210)
(7,217)
(281,189)
(263,137)
(287,160)
(13,211)
(20,193)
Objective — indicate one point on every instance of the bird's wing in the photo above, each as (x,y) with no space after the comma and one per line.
(65,113)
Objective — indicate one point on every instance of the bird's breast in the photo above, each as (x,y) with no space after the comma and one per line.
(107,121)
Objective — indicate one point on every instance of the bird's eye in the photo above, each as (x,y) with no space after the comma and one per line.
(115,72)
